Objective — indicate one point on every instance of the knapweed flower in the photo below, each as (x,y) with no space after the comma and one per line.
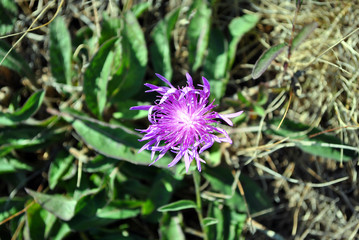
(182,121)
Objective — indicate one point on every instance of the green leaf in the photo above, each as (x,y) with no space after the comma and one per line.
(112,211)
(27,138)
(198,34)
(209,221)
(266,58)
(221,181)
(170,228)
(59,167)
(15,62)
(230,223)
(10,206)
(215,63)
(237,28)
(160,49)
(12,165)
(35,224)
(28,109)
(128,80)
(140,8)
(178,206)
(60,51)
(256,197)
(8,10)
(124,111)
(318,145)
(303,34)
(110,28)
(96,78)
(60,231)
(59,205)
(161,192)
(115,142)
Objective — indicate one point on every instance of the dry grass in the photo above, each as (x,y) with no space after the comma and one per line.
(329,100)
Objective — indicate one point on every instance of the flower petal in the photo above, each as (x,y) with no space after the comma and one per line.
(164,79)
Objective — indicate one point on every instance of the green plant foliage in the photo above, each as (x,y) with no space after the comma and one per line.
(303,34)
(59,166)
(113,141)
(14,61)
(27,138)
(171,228)
(60,51)
(140,8)
(52,202)
(230,223)
(160,49)
(13,165)
(238,27)
(215,63)
(128,79)
(266,59)
(70,166)
(31,106)
(8,10)
(222,181)
(96,78)
(198,33)
(319,145)
(177,206)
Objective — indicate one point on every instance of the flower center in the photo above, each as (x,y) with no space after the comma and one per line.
(185,118)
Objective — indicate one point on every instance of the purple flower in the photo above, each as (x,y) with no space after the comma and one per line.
(183,120)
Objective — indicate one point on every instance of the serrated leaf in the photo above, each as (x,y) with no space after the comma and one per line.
(61,206)
(115,142)
(303,34)
(178,206)
(96,78)
(15,62)
(198,34)
(28,109)
(60,51)
(128,80)
(59,167)
(266,58)
(238,27)
(318,145)
(160,49)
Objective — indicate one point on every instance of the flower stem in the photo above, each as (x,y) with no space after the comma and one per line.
(196,180)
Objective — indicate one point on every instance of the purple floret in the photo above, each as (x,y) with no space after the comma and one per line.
(182,121)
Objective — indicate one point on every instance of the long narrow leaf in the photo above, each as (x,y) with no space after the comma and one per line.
(28,109)
(303,34)
(266,58)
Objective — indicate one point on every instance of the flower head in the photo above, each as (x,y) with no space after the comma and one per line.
(182,121)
